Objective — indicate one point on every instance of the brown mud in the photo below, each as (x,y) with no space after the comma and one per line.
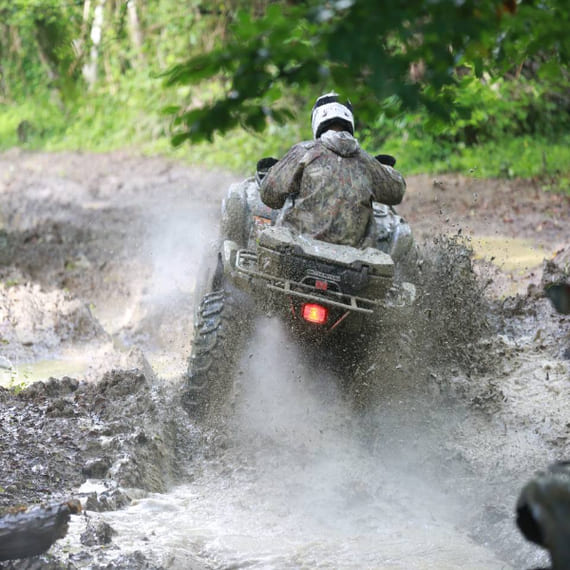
(99,258)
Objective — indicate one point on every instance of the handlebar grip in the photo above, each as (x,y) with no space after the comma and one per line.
(387,159)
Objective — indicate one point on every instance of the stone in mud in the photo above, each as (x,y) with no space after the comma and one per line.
(543,513)
(107,501)
(97,533)
(96,468)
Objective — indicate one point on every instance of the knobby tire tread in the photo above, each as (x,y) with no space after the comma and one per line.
(219,331)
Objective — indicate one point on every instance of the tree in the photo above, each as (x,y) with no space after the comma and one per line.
(372,50)
(36,45)
(90,68)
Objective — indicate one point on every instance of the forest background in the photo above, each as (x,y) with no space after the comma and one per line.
(477,87)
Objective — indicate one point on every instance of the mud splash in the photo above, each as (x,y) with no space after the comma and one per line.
(297,480)
(472,399)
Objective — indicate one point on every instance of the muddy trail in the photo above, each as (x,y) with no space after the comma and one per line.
(100,256)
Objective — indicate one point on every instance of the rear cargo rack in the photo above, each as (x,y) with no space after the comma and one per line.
(246,263)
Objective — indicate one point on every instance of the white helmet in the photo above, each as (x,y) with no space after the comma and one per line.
(328,110)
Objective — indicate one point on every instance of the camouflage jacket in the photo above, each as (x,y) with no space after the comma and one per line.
(331,183)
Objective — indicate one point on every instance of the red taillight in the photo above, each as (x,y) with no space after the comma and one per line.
(314,313)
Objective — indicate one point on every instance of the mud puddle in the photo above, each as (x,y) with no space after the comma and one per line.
(520,258)
(168,366)
(510,254)
(309,484)
(295,479)
(28,373)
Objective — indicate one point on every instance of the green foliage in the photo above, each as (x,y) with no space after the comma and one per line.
(15,385)
(36,47)
(481,111)
(103,123)
(524,157)
(472,86)
(364,49)
(259,51)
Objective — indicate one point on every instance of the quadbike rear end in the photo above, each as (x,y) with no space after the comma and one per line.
(332,297)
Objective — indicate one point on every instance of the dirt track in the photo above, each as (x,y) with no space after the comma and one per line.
(99,255)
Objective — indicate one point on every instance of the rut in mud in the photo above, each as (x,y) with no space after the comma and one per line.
(99,261)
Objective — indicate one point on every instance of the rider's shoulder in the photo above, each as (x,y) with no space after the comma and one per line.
(299,150)
(305,145)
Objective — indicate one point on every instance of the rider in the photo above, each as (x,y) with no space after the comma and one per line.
(330,181)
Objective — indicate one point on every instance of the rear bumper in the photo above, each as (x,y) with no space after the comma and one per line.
(242,265)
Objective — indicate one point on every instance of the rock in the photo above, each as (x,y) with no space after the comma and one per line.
(107,501)
(97,533)
(96,468)
(543,513)
(28,532)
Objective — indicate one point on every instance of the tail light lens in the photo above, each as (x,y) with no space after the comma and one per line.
(314,313)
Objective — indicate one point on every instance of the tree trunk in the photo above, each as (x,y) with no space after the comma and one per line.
(90,68)
(33,531)
(3,53)
(86,12)
(135,31)
(81,44)
(3,85)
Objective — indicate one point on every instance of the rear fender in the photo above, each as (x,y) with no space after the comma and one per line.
(402,240)
(235,224)
(393,234)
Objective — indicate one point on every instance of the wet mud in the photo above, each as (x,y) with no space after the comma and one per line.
(99,257)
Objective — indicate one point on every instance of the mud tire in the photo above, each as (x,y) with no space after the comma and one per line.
(221,328)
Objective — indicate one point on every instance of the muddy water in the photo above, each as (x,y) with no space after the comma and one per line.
(297,518)
(511,254)
(520,258)
(296,480)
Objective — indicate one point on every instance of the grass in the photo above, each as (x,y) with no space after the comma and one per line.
(131,120)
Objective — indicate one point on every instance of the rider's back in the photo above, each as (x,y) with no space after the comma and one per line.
(331,183)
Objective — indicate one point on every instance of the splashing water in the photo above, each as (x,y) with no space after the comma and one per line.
(298,481)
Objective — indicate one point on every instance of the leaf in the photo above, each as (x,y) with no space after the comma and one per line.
(170,110)
(178,139)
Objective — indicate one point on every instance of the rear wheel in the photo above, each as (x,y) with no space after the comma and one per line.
(220,331)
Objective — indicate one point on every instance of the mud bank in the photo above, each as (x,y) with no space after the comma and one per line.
(99,256)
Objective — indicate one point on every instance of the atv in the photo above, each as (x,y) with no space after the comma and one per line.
(331,296)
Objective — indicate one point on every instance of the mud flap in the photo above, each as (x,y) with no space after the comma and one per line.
(229,252)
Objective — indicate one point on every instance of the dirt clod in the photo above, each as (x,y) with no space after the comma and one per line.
(97,533)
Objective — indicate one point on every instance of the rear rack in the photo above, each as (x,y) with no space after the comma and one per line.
(246,263)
